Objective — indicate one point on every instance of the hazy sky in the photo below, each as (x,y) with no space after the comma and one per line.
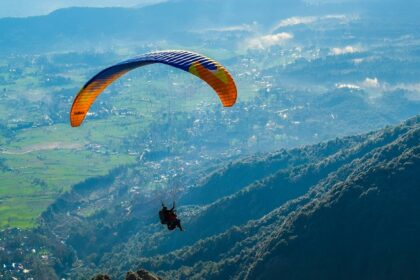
(22,8)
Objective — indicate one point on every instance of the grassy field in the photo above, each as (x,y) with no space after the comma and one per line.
(35,178)
(45,161)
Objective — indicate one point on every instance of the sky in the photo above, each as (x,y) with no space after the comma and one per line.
(24,8)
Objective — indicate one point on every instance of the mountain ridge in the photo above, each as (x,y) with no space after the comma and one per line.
(411,138)
(250,236)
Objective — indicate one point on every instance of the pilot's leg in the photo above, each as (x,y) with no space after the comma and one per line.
(178,224)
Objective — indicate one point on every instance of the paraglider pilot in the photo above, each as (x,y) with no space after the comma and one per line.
(169,218)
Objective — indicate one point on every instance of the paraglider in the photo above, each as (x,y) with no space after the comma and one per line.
(210,71)
(169,218)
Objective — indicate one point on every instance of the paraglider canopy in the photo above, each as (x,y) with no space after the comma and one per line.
(210,71)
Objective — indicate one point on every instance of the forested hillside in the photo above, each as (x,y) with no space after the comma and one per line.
(360,220)
(350,204)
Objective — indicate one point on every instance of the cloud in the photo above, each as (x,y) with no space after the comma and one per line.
(292,21)
(337,17)
(345,50)
(368,83)
(371,83)
(409,87)
(295,21)
(347,86)
(358,60)
(242,27)
(268,41)
(412,89)
(375,88)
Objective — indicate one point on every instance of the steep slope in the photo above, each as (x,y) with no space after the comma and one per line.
(267,193)
(365,227)
(361,216)
(237,175)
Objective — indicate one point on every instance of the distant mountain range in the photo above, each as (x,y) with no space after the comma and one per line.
(75,27)
(78,28)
